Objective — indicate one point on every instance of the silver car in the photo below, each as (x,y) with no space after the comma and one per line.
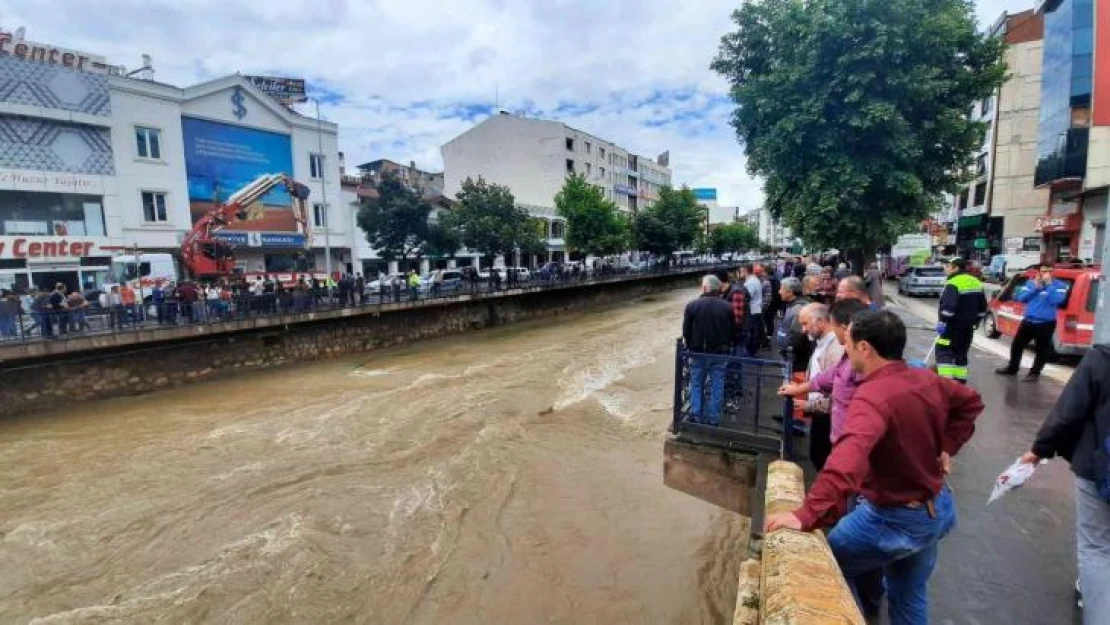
(929,280)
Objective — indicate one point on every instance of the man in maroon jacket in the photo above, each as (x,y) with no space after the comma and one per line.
(902,428)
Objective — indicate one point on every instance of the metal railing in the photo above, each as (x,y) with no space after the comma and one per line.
(749,406)
(18,324)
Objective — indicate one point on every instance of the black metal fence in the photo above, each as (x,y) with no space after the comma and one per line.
(733,401)
(24,320)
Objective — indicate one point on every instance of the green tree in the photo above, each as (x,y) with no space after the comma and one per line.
(855,112)
(396,222)
(672,223)
(594,224)
(488,220)
(734,237)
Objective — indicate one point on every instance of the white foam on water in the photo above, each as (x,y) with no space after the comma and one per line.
(580,383)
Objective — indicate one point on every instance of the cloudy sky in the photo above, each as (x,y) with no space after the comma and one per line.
(404,76)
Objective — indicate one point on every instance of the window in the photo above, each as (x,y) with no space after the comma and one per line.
(570,144)
(316,166)
(570,166)
(981,165)
(987,104)
(319,215)
(148,142)
(1092,296)
(588,167)
(980,194)
(557,228)
(588,147)
(601,153)
(601,172)
(154,207)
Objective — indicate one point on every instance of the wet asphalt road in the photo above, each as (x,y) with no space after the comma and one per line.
(1013,562)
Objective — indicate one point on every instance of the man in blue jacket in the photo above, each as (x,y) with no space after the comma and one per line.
(1042,297)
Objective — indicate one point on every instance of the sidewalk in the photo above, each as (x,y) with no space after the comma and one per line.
(926,310)
(1013,562)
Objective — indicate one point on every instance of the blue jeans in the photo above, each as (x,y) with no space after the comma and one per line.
(699,367)
(1092,529)
(900,541)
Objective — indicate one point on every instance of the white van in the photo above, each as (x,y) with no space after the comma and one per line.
(145,272)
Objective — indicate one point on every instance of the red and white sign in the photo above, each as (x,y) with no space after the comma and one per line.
(1064,223)
(50,248)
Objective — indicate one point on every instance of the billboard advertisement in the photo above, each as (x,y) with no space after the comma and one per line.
(284,90)
(221,158)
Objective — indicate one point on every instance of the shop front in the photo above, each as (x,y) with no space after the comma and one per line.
(973,234)
(80,263)
(1060,235)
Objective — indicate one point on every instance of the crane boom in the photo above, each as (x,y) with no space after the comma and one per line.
(205,256)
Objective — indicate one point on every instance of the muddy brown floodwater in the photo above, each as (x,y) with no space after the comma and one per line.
(506,476)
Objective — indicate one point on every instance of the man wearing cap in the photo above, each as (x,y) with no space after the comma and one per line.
(962,306)
(1042,296)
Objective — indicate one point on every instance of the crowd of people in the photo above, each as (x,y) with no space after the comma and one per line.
(883,432)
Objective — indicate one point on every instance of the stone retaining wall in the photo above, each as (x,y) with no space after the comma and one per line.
(32,384)
(800,583)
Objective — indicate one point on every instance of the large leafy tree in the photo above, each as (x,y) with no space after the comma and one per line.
(672,223)
(734,237)
(855,112)
(396,222)
(594,224)
(488,220)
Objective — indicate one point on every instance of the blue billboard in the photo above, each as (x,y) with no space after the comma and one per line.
(221,158)
(705,195)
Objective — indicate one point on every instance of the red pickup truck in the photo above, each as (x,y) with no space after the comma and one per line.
(1075,321)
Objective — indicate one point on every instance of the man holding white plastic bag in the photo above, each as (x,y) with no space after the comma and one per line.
(1078,429)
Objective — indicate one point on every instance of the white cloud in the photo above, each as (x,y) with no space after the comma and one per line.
(413,74)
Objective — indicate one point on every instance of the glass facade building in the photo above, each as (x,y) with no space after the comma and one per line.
(1063,129)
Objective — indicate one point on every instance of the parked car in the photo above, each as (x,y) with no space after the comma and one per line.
(1075,321)
(927,280)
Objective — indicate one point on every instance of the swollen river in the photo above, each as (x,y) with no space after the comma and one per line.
(504,476)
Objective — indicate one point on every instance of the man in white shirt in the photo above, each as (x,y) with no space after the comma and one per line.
(756,334)
(817,406)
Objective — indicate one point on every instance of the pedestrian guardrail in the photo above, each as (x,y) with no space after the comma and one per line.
(20,322)
(733,401)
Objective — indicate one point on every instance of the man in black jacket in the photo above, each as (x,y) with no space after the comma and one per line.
(708,328)
(1078,428)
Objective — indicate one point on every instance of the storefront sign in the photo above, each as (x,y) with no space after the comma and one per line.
(1031,244)
(624,189)
(30,180)
(49,248)
(284,90)
(261,239)
(1013,244)
(1066,223)
(14,45)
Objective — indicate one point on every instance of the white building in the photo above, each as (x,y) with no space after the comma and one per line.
(533,157)
(772,233)
(92,162)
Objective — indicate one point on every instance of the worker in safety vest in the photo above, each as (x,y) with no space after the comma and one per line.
(962,306)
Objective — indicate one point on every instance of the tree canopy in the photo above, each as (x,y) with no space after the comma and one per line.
(734,237)
(594,224)
(488,220)
(396,222)
(855,112)
(672,223)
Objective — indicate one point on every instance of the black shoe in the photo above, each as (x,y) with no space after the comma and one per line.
(1032,377)
(1005,371)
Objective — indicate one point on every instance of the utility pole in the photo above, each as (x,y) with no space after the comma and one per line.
(1102,313)
(324,191)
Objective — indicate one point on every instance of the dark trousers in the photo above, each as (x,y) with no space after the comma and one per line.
(820,431)
(756,336)
(1042,333)
(952,349)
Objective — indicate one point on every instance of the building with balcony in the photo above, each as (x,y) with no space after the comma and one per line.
(533,157)
(94,161)
(997,210)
